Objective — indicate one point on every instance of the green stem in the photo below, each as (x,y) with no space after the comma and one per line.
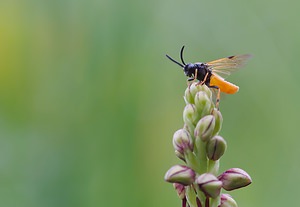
(201,154)
(192,161)
(213,167)
(215,202)
(200,195)
(191,196)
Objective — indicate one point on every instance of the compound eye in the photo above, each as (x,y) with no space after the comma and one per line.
(186,70)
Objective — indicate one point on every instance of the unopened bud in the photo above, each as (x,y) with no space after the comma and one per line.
(180,174)
(205,128)
(180,155)
(227,201)
(182,141)
(219,120)
(234,178)
(189,115)
(215,148)
(188,97)
(209,184)
(180,189)
(203,103)
(196,87)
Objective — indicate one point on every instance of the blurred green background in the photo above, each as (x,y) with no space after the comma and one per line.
(89,103)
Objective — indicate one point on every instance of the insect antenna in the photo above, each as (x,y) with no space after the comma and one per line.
(181,55)
(175,61)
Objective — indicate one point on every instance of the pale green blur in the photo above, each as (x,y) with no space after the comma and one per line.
(89,102)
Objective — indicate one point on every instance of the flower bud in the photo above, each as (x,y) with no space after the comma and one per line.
(182,141)
(215,148)
(219,120)
(203,103)
(196,87)
(205,128)
(189,114)
(180,155)
(188,97)
(227,201)
(180,174)
(207,91)
(180,189)
(209,184)
(234,178)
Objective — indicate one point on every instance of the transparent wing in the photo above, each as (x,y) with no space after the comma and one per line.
(225,66)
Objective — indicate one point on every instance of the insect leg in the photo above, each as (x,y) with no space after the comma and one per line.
(218,95)
(196,74)
(191,79)
(204,80)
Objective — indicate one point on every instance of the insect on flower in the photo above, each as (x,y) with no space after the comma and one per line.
(211,73)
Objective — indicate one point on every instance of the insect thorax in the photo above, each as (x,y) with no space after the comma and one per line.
(201,68)
(202,72)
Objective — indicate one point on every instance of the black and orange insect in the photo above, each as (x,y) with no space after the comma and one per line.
(211,73)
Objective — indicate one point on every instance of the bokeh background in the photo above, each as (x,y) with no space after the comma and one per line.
(89,103)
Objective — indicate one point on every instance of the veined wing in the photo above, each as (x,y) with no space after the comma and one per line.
(225,66)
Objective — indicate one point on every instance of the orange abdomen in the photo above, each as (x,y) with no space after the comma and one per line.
(224,85)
